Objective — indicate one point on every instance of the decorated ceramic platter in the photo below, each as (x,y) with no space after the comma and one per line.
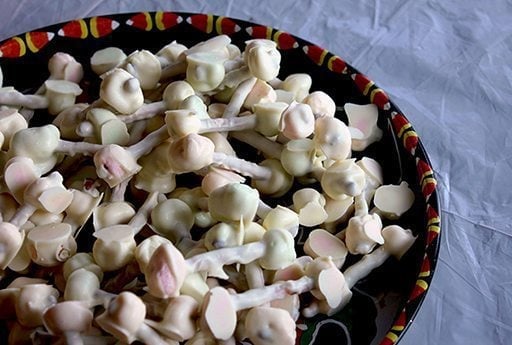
(385,302)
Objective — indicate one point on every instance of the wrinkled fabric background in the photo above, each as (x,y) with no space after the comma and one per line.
(447,65)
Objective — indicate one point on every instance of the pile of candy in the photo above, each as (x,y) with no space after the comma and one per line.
(116,160)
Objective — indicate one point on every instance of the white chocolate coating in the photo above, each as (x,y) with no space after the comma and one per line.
(61,94)
(179,319)
(364,119)
(397,240)
(48,193)
(49,245)
(172,219)
(190,153)
(280,249)
(216,44)
(80,209)
(146,248)
(270,326)
(204,71)
(104,60)
(309,204)
(68,121)
(165,271)
(223,235)
(144,66)
(218,177)
(392,201)
(19,173)
(81,285)
(66,317)
(261,93)
(64,66)
(114,247)
(343,178)
(298,84)
(262,58)
(11,121)
(81,260)
(297,121)
(171,52)
(11,240)
(222,145)
(195,286)
(234,202)
(279,182)
(253,232)
(298,156)
(32,301)
(123,317)
(176,92)
(156,174)
(108,129)
(182,122)
(321,104)
(115,164)
(332,137)
(282,218)
(195,103)
(363,233)
(37,143)
(337,210)
(112,213)
(321,243)
(216,301)
(121,91)
(290,304)
(268,117)
(329,282)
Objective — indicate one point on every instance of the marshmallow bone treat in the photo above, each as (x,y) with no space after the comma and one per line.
(201,168)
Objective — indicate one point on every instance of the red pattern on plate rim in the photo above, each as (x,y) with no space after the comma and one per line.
(147,21)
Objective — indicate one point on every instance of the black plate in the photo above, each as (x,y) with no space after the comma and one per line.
(385,302)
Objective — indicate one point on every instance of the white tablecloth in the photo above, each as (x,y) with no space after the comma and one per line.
(448,66)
